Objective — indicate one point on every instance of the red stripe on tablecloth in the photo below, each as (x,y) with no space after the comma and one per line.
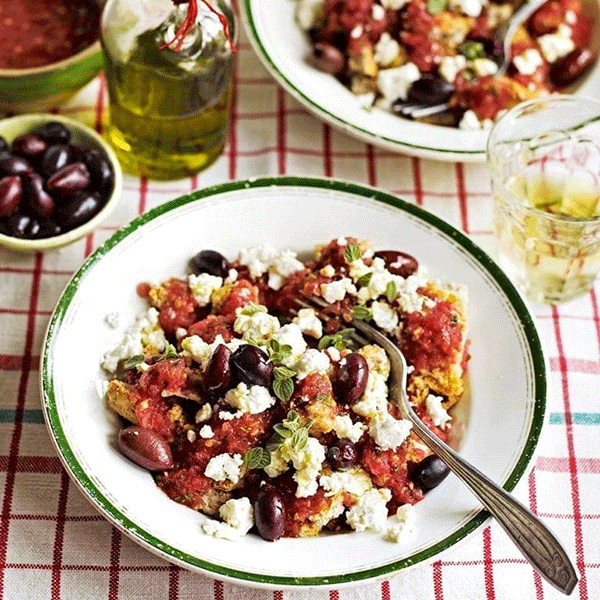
(462,196)
(143,194)
(22,311)
(371,166)
(59,536)
(576,365)
(572,460)
(31,464)
(73,519)
(100,102)
(385,590)
(438,588)
(416,169)
(25,271)
(194,182)
(490,593)
(10,362)
(256,81)
(277,595)
(537,580)
(218,590)
(281,130)
(594,301)
(18,427)
(334,595)
(174,571)
(233,120)
(115,557)
(564,465)
(89,244)
(327,162)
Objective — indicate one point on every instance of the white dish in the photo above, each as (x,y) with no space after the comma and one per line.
(283,47)
(502,418)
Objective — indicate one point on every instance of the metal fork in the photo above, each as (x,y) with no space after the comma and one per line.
(503,34)
(537,543)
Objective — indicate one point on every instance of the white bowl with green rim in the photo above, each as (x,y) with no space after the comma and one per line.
(38,89)
(82,135)
(283,47)
(500,417)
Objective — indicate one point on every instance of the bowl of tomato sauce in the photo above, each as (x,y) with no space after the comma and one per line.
(49,49)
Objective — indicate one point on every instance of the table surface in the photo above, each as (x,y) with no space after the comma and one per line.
(53,544)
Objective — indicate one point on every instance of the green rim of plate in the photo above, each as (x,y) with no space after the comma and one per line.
(130,528)
(300,96)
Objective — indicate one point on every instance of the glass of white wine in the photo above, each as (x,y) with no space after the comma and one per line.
(544,158)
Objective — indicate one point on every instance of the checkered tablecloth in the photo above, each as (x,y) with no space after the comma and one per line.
(53,544)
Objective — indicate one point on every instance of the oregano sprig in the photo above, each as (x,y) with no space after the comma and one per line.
(352,252)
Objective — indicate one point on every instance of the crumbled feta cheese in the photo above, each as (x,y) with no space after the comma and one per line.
(191,436)
(180,333)
(404,527)
(439,415)
(258,259)
(354,481)
(469,121)
(203,286)
(253,400)
(309,323)
(528,62)
(278,464)
(224,467)
(395,83)
(384,316)
(258,327)
(377,12)
(227,416)
(346,429)
(356,32)
(393,4)
(376,358)
(204,414)
(283,265)
(388,432)
(341,241)
(450,66)
(312,361)
(206,432)
(336,290)
(471,8)
(570,17)
(202,352)
(327,271)
(238,515)
(387,48)
(291,335)
(112,319)
(374,400)
(231,277)
(334,354)
(556,45)
(309,13)
(146,332)
(484,67)
(358,269)
(370,512)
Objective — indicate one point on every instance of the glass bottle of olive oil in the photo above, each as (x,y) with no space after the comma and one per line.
(169,93)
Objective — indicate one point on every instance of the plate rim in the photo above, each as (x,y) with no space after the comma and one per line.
(443,154)
(127,526)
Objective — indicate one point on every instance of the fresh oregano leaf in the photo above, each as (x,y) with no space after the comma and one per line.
(364,280)
(283,373)
(133,362)
(299,439)
(251,309)
(390,291)
(352,252)
(472,50)
(283,389)
(435,7)
(362,313)
(257,458)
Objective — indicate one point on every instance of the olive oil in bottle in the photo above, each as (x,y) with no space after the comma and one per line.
(169,105)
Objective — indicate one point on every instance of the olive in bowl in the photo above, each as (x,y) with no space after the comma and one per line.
(58,181)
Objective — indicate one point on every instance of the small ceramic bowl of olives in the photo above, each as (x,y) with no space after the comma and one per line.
(58,181)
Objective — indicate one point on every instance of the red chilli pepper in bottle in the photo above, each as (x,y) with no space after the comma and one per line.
(190,20)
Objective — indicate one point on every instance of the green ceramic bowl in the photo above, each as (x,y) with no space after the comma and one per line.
(83,135)
(42,88)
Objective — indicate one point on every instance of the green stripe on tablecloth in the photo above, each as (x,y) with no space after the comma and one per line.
(30,415)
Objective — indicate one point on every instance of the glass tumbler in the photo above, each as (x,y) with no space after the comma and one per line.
(544,159)
(168,95)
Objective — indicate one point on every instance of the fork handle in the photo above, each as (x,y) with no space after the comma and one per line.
(537,543)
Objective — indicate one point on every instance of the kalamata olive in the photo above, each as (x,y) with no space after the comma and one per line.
(430,472)
(211,262)
(54,132)
(36,196)
(342,455)
(55,158)
(570,68)
(3,145)
(218,372)
(101,171)
(22,226)
(78,209)
(398,263)
(11,192)
(28,146)
(430,90)
(145,448)
(351,378)
(250,365)
(269,513)
(69,179)
(48,229)
(14,165)
(328,58)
